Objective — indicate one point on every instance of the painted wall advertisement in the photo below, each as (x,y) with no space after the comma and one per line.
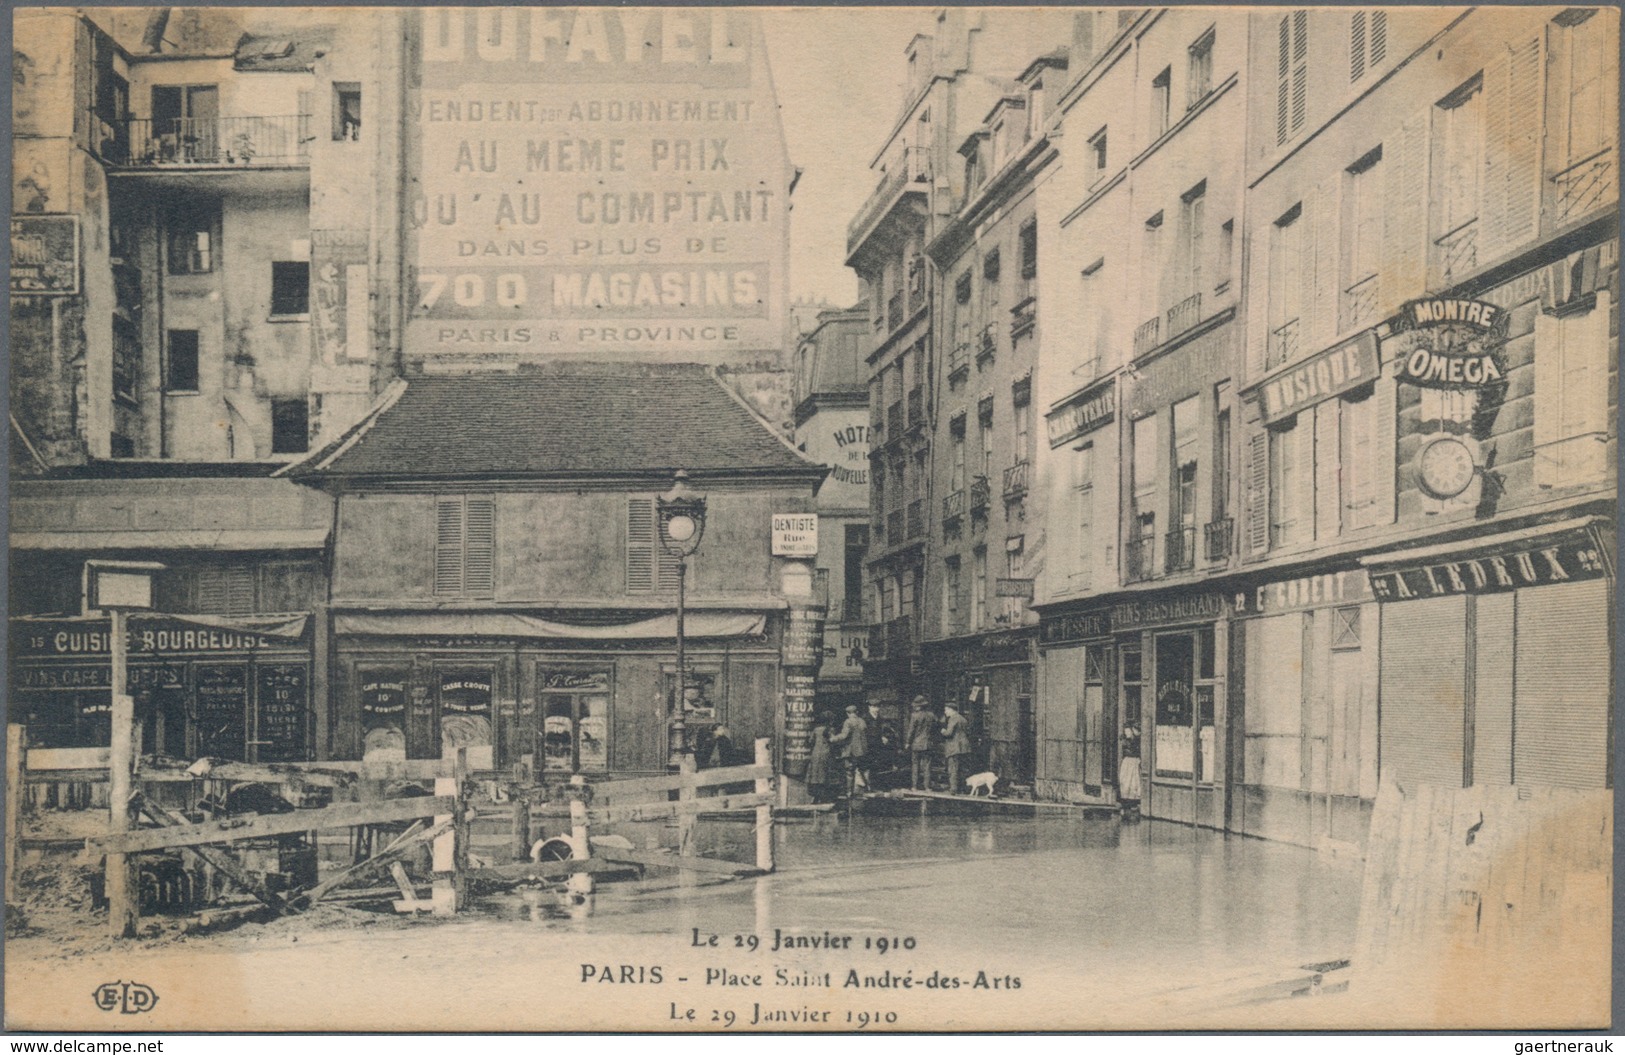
(595,181)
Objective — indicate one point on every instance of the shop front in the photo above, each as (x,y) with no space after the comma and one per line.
(550,698)
(1078,728)
(235,689)
(991,679)
(1171,702)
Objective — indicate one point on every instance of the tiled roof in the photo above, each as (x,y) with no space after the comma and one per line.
(560,420)
(293,52)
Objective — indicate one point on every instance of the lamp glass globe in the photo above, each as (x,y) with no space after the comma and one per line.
(680,528)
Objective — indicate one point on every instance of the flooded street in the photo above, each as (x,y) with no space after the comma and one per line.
(1110,919)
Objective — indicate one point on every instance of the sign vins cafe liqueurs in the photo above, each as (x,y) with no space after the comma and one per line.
(594,180)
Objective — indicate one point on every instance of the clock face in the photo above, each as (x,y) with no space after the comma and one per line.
(1447,467)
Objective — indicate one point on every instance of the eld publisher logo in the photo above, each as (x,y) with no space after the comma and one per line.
(127,998)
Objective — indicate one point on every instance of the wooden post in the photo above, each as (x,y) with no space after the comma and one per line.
(460,832)
(121,886)
(519,827)
(686,819)
(444,897)
(579,882)
(764,812)
(14,802)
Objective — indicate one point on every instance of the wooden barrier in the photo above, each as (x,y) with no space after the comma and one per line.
(14,801)
(253,826)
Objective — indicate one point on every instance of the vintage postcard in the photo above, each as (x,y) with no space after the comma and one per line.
(789,519)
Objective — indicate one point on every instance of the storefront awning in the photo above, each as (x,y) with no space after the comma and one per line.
(514,624)
(202,539)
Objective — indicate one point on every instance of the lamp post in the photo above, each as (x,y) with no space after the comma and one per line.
(681,514)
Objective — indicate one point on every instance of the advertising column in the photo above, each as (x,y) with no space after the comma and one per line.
(795,535)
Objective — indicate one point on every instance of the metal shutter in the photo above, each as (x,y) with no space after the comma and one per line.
(1424,661)
(1492,691)
(1560,733)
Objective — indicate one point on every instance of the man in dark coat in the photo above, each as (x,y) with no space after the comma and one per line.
(853,740)
(921,737)
(955,744)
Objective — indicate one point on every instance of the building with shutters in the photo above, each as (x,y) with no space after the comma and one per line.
(1427,410)
(498,583)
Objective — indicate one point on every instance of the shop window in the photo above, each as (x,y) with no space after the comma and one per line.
(1368,42)
(574,706)
(1291,75)
(346,111)
(649,568)
(465,546)
(290,426)
(290,287)
(1571,397)
(383,712)
(465,714)
(181,361)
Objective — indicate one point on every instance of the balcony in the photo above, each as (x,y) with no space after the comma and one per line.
(1023,317)
(894,527)
(1456,252)
(1286,341)
(899,636)
(894,310)
(1358,305)
(1179,550)
(1219,536)
(1184,315)
(916,407)
(1015,480)
(1585,187)
(906,174)
(1139,557)
(981,495)
(959,362)
(1147,335)
(953,507)
(987,345)
(894,421)
(217,141)
(916,518)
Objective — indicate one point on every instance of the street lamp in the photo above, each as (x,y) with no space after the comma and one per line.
(682,524)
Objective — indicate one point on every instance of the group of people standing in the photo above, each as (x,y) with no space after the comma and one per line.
(844,757)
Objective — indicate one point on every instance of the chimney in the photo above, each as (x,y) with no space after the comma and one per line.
(153,37)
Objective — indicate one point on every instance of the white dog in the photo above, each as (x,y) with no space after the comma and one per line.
(987,781)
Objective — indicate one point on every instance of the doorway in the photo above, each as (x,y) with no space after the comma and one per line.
(574,712)
(185,120)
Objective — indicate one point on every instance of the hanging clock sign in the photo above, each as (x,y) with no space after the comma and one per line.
(1453,343)
(1446,466)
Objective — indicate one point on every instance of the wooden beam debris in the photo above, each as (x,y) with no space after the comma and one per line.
(254,826)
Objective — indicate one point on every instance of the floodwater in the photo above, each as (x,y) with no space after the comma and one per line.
(1056,922)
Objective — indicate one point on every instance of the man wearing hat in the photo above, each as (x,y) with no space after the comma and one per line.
(853,740)
(921,737)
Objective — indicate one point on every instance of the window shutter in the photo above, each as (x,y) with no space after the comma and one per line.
(1326,468)
(1382,472)
(1378,50)
(640,545)
(1571,397)
(1548,399)
(448,547)
(1302,486)
(239,591)
(1320,305)
(1309,312)
(479,547)
(1283,78)
(1520,190)
(1356,45)
(1404,235)
(211,591)
(668,568)
(1255,504)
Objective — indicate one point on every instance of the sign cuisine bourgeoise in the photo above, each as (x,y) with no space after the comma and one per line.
(595,180)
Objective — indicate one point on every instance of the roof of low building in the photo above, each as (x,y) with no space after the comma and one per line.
(559,420)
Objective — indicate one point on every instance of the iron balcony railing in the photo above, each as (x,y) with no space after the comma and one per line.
(1285,342)
(1147,335)
(1138,557)
(1589,184)
(916,407)
(959,361)
(282,140)
(1179,552)
(981,494)
(1456,251)
(1358,305)
(1184,315)
(906,170)
(1015,480)
(1219,535)
(916,518)
(953,506)
(1023,317)
(988,345)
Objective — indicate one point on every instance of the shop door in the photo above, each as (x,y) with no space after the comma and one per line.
(1174,752)
(1131,691)
(464,706)
(574,712)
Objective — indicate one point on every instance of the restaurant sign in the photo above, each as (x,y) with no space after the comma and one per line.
(1077,626)
(1132,615)
(1331,373)
(90,637)
(1083,412)
(1566,557)
(1451,343)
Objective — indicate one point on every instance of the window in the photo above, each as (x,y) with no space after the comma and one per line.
(956,434)
(1357,476)
(1585,85)
(1222,457)
(465,545)
(1457,187)
(1151,264)
(649,568)
(1368,42)
(190,241)
(962,288)
(1291,75)
(185,123)
(1182,512)
(181,362)
(952,584)
(290,426)
(1292,482)
(346,111)
(990,277)
(1083,516)
(1014,567)
(1199,70)
(978,585)
(290,287)
(1029,251)
(857,546)
(1097,307)
(1346,627)
(984,417)
(1192,220)
(1362,242)
(1161,86)
(1225,257)
(1146,471)
(1097,156)
(1286,286)
(1571,396)
(224,590)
